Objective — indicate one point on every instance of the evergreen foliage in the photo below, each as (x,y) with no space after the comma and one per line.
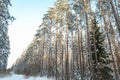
(103,57)
(4,38)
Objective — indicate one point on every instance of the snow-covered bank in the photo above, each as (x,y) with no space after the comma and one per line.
(21,77)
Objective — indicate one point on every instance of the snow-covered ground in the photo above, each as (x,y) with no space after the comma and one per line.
(21,77)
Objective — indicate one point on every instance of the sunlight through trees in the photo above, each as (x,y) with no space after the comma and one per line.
(77,40)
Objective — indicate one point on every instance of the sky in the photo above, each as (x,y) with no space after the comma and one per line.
(28,14)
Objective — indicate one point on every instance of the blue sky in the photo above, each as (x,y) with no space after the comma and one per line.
(28,14)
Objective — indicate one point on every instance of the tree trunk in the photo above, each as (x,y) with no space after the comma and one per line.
(67,55)
(88,38)
(82,58)
(72,57)
(117,19)
(114,42)
(109,42)
(56,75)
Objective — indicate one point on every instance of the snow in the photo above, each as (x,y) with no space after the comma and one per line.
(21,77)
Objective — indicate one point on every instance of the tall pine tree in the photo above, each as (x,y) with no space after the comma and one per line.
(4,39)
(100,57)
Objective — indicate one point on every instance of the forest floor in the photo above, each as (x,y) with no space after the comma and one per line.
(22,77)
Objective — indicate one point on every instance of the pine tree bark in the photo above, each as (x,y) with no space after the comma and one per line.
(82,58)
(88,38)
(67,55)
(72,57)
(56,54)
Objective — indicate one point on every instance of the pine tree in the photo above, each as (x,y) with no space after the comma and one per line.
(4,39)
(100,57)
